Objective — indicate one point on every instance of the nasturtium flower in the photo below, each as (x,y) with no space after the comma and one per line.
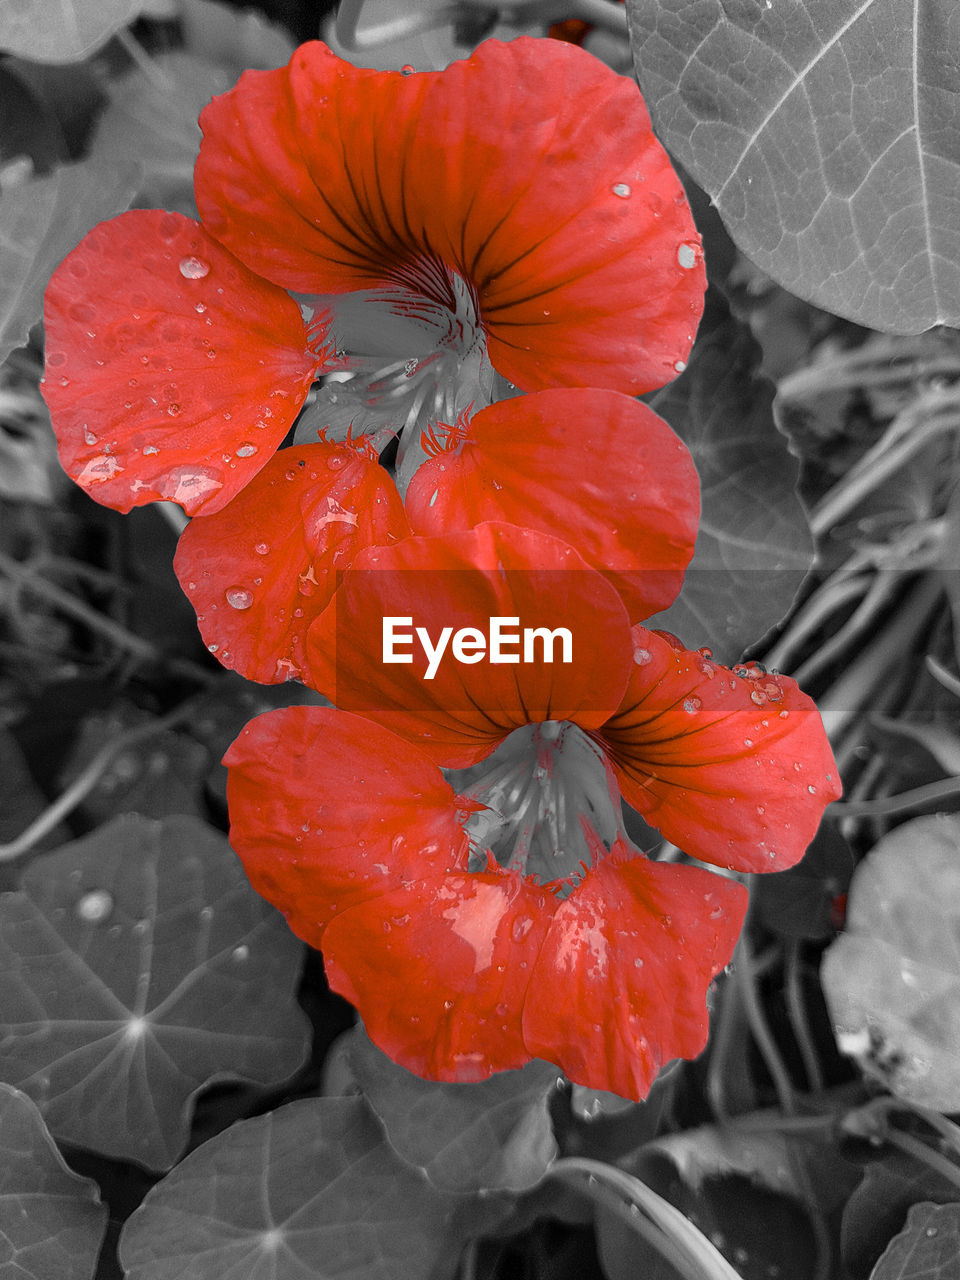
(512,213)
(461,966)
(454,842)
(594,467)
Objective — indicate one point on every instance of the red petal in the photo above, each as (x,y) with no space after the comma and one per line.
(259,571)
(464,580)
(735,770)
(530,169)
(593,467)
(438,970)
(328,810)
(172,370)
(620,986)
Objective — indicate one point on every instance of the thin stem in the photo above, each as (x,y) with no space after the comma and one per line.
(884,586)
(85,781)
(837,591)
(929,793)
(945,677)
(873,470)
(797,1010)
(745,976)
(660,1222)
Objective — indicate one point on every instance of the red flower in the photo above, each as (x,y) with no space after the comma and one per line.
(594,467)
(354,834)
(731,765)
(517,201)
(520,192)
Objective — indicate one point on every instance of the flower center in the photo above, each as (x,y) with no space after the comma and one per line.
(544,787)
(414,353)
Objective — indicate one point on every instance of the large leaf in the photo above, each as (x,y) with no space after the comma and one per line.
(892,980)
(61,30)
(493,1136)
(40,222)
(136,966)
(926,1249)
(754,545)
(51,1221)
(309,1190)
(825,132)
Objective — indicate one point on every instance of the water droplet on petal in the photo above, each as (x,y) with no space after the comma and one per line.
(621,189)
(95,907)
(692,705)
(246,450)
(262,548)
(687,256)
(88,436)
(194,268)
(173,410)
(239,597)
(641,657)
(200,308)
(812,789)
(150,449)
(407,69)
(680,365)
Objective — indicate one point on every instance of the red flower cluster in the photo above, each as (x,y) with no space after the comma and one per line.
(426,245)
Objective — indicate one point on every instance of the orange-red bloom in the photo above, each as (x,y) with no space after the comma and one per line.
(502,914)
(514,208)
(594,467)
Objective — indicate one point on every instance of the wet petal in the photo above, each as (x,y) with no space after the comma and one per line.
(259,571)
(439,970)
(530,169)
(734,768)
(172,370)
(328,810)
(462,581)
(620,985)
(593,467)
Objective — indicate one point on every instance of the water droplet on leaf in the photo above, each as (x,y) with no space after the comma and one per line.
(95,907)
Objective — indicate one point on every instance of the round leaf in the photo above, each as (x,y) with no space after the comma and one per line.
(892,980)
(309,1190)
(137,966)
(825,133)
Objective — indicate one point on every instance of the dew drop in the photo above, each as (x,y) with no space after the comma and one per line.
(241,953)
(150,449)
(246,450)
(621,189)
(239,597)
(687,256)
(200,308)
(680,365)
(194,268)
(262,548)
(692,705)
(407,69)
(641,657)
(173,410)
(95,907)
(812,789)
(88,436)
